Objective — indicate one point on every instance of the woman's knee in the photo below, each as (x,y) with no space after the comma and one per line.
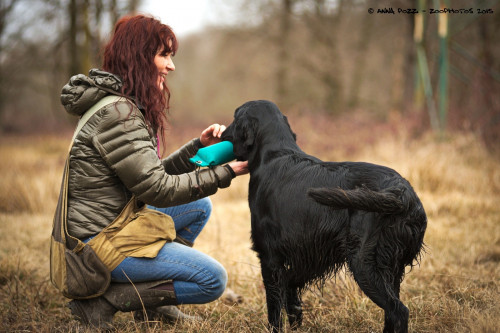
(199,211)
(205,205)
(214,288)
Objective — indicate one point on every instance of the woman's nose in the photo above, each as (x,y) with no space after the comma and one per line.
(170,65)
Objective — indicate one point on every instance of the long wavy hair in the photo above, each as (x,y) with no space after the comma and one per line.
(130,54)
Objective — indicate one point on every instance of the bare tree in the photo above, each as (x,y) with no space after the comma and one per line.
(489,109)
(283,53)
(114,12)
(72,30)
(133,5)
(84,35)
(6,8)
(361,57)
(323,27)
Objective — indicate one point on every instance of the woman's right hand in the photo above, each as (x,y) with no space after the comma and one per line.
(239,167)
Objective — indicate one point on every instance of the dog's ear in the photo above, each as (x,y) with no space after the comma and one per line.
(243,135)
(293,134)
(248,131)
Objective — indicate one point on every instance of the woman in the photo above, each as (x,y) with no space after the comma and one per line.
(116,156)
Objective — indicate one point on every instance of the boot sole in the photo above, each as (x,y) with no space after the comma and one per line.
(171,317)
(78,311)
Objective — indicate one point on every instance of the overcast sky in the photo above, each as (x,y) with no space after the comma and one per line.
(187,16)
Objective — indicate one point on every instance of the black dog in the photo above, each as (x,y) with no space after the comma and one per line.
(310,218)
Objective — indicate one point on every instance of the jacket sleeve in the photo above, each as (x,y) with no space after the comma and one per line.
(178,162)
(123,141)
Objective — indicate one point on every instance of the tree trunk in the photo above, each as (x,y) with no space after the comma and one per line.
(326,29)
(113,10)
(488,105)
(74,59)
(360,61)
(408,67)
(86,48)
(133,5)
(5,9)
(283,53)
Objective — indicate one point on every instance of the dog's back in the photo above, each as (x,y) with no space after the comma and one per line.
(294,218)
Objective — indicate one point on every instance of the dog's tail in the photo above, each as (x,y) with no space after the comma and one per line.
(387,201)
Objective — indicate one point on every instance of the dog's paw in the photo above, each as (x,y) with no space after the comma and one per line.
(230,297)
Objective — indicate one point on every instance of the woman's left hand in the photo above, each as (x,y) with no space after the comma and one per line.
(212,134)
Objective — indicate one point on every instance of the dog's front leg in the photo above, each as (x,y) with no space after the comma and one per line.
(294,307)
(275,295)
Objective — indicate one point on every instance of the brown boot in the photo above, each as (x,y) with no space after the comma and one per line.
(94,312)
(167,313)
(144,295)
(98,312)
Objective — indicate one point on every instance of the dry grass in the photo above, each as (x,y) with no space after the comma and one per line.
(455,289)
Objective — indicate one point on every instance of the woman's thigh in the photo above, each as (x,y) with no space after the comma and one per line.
(190,218)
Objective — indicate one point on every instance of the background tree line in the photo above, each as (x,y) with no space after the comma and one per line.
(43,43)
(310,56)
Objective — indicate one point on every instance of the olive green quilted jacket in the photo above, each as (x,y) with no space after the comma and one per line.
(114,156)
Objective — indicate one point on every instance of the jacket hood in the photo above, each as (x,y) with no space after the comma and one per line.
(81,92)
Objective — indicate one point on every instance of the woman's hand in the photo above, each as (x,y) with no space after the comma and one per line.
(212,134)
(239,167)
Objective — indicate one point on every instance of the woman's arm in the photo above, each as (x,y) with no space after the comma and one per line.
(124,143)
(178,162)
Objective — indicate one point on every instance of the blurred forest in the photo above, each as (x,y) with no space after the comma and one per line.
(438,72)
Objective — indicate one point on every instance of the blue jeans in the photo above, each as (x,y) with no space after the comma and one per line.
(197,277)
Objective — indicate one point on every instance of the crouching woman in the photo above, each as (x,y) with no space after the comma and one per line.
(114,164)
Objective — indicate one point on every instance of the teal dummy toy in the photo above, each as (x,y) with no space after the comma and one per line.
(216,154)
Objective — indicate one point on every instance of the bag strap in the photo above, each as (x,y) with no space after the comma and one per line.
(90,112)
(71,242)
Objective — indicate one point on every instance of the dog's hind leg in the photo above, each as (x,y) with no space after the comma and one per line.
(381,288)
(398,278)
(293,307)
(275,295)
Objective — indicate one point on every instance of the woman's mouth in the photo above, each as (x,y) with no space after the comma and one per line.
(161,78)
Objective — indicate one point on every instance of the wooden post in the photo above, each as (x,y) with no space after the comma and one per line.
(423,67)
(443,65)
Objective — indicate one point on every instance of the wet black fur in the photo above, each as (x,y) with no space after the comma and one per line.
(311,218)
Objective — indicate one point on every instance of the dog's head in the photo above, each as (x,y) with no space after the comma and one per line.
(255,123)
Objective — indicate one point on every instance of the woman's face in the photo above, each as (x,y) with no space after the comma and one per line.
(164,63)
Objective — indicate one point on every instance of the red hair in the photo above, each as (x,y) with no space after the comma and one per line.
(130,54)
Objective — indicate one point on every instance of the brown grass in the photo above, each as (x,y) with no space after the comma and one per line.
(455,289)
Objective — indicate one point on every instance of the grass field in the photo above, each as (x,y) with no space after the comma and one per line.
(455,289)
